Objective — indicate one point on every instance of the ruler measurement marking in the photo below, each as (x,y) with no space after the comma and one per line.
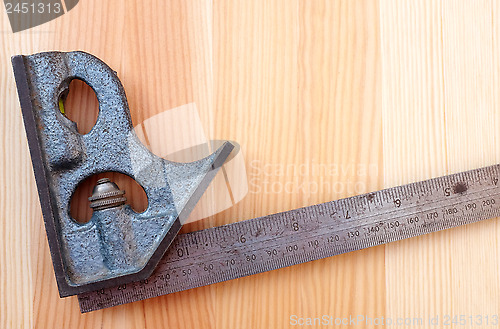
(314,232)
(334,229)
(268,265)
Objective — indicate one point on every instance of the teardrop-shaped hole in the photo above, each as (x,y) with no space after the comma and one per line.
(80,209)
(80,105)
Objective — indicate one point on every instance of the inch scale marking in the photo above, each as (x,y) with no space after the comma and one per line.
(267,243)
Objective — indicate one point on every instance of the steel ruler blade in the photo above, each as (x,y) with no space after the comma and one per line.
(267,243)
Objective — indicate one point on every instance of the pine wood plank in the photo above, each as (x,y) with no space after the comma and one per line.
(328,99)
(313,61)
(439,117)
(268,70)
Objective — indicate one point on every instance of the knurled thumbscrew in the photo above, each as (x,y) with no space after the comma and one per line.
(106,194)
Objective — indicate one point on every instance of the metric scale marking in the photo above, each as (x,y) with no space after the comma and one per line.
(267,243)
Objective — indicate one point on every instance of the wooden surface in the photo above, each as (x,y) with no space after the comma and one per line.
(344,96)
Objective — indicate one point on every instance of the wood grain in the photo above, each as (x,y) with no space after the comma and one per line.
(328,99)
(441,111)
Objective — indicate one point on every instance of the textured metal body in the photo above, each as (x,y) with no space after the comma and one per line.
(117,245)
(297,236)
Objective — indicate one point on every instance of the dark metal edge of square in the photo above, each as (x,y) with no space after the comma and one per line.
(41,178)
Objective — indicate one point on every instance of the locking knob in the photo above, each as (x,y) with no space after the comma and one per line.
(106,194)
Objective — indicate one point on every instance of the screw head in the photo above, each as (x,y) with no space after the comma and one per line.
(106,194)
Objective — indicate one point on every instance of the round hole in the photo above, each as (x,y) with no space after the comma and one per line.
(80,206)
(80,105)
